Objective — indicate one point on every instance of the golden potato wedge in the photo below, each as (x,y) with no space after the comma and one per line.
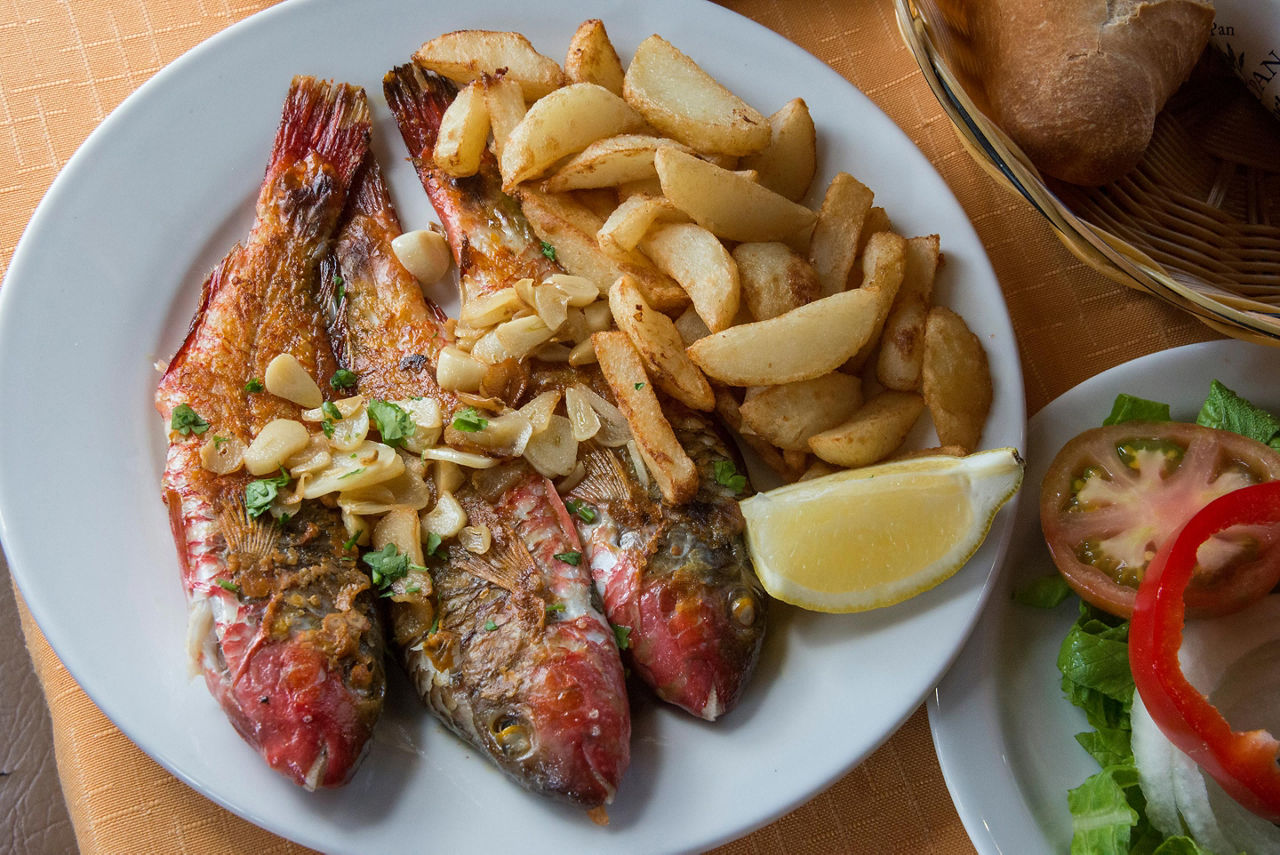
(464,132)
(571,228)
(628,223)
(592,58)
(873,433)
(610,162)
(600,201)
(877,221)
(563,123)
(667,461)
(802,344)
(658,342)
(817,469)
(727,408)
(727,204)
(789,414)
(696,259)
(680,99)
(640,187)
(787,164)
(774,279)
(504,102)
(936,451)
(691,327)
(883,265)
(955,379)
(902,339)
(834,246)
(464,55)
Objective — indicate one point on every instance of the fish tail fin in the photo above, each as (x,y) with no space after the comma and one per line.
(330,119)
(418,100)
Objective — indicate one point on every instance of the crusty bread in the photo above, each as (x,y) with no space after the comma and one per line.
(1078,83)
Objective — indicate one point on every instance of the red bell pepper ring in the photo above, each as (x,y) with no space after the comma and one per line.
(1245,764)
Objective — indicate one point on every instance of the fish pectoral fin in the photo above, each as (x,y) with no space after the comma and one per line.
(246,536)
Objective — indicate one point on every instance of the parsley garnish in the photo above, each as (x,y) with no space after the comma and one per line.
(435,626)
(574,558)
(254,385)
(343,379)
(490,625)
(393,423)
(258,495)
(727,476)
(433,544)
(327,426)
(413,589)
(622,635)
(350,544)
(388,565)
(582,510)
(352,472)
(469,420)
(186,422)
(219,441)
(228,586)
(330,409)
(639,386)
(548,250)
(339,289)
(555,607)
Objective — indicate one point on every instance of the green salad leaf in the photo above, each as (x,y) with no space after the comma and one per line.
(1225,410)
(1131,408)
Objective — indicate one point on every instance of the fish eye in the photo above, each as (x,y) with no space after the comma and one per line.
(743,608)
(513,735)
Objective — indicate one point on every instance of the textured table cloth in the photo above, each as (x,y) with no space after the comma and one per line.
(65,64)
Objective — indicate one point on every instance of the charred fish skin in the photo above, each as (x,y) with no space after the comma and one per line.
(506,648)
(676,580)
(283,624)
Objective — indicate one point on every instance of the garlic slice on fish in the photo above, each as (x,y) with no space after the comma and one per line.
(346,407)
(491,309)
(279,440)
(554,451)
(428,422)
(476,539)
(286,378)
(457,371)
(222,455)
(585,421)
(539,410)
(349,432)
(399,527)
(369,464)
(446,519)
(462,458)
(424,253)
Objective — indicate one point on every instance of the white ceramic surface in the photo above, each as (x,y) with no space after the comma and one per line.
(103,285)
(1003,731)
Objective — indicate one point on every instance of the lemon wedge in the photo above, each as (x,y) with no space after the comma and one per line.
(866,538)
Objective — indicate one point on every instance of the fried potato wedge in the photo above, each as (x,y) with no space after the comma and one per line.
(788,163)
(678,98)
(610,162)
(802,344)
(656,339)
(592,58)
(789,414)
(563,123)
(883,266)
(690,326)
(464,132)
(873,433)
(696,259)
(727,204)
(504,102)
(834,246)
(727,408)
(668,463)
(571,228)
(464,55)
(774,278)
(628,223)
(955,379)
(902,339)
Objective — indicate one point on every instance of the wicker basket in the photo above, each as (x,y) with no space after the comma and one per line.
(1197,223)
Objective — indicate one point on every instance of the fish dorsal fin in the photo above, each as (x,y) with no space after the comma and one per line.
(247,537)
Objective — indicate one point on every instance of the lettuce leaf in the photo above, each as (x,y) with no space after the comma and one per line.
(1131,408)
(1225,410)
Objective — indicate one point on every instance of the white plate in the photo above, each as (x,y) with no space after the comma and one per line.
(104,284)
(1003,730)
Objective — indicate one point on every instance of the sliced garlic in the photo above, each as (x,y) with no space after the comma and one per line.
(552,305)
(598,316)
(491,309)
(399,527)
(489,349)
(583,353)
(539,410)
(346,407)
(222,455)
(315,457)
(371,463)
(573,479)
(286,378)
(424,253)
(637,462)
(554,451)
(428,423)
(279,440)
(614,430)
(524,290)
(462,458)
(449,476)
(357,528)
(585,421)
(552,351)
(475,538)
(458,372)
(446,519)
(521,335)
(580,290)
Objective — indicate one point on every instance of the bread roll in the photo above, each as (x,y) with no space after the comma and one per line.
(1078,83)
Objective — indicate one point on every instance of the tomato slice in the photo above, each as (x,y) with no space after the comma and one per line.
(1114,495)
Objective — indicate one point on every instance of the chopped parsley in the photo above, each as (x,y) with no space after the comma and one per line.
(555,607)
(186,422)
(351,544)
(327,426)
(548,250)
(392,422)
(639,386)
(574,558)
(413,589)
(228,586)
(581,510)
(435,626)
(351,473)
(622,635)
(330,409)
(219,441)
(490,625)
(387,565)
(433,544)
(343,379)
(339,289)
(469,420)
(254,385)
(258,495)
(727,476)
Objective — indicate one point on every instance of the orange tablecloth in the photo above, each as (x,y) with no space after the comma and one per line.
(64,64)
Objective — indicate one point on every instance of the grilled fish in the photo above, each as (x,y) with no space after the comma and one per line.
(675,580)
(508,649)
(283,626)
